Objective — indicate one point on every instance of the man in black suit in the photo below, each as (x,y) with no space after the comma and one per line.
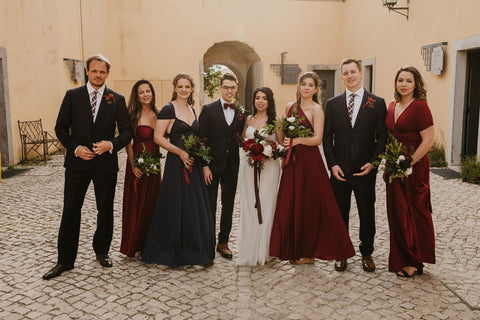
(354,136)
(86,124)
(221,123)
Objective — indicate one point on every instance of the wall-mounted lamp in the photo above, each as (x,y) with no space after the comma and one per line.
(390,4)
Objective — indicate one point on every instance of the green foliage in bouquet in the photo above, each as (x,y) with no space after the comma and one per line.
(197,147)
(291,127)
(394,162)
(147,163)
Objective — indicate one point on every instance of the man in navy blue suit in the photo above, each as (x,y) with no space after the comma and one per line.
(220,123)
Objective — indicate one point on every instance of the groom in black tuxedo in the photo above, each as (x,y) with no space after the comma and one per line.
(221,123)
(354,136)
(86,125)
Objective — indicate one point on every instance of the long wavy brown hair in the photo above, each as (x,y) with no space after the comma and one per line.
(316,80)
(419,91)
(134,106)
(179,76)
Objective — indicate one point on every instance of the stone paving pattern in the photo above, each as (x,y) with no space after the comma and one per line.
(30,211)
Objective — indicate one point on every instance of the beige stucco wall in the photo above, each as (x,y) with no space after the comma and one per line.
(178,34)
(370,31)
(156,39)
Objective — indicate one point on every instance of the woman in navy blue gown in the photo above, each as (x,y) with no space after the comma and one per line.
(182,230)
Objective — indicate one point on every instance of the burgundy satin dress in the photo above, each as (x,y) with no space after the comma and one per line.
(412,238)
(307,221)
(139,201)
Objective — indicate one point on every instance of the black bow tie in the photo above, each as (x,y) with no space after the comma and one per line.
(229,105)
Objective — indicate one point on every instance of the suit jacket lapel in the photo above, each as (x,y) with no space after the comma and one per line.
(366,94)
(103,104)
(344,111)
(219,113)
(87,103)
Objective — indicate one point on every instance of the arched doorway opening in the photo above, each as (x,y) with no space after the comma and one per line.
(242,60)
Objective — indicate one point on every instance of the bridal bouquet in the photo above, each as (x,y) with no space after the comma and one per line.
(196,147)
(258,148)
(394,162)
(147,163)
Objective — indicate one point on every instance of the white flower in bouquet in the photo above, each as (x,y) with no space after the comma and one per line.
(140,160)
(263,142)
(291,128)
(250,133)
(280,147)
(267,150)
(291,119)
(409,171)
(400,158)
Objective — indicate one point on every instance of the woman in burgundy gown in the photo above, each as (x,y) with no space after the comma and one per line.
(308,223)
(412,239)
(140,192)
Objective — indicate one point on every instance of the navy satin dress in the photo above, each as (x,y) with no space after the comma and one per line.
(182,230)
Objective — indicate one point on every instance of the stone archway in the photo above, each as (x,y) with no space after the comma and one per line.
(242,60)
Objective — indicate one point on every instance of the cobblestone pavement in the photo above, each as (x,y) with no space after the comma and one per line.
(30,210)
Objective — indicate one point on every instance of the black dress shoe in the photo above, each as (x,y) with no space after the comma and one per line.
(57,270)
(368,264)
(223,249)
(104,260)
(340,265)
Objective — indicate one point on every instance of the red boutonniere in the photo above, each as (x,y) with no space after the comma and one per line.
(369,103)
(110,98)
(240,111)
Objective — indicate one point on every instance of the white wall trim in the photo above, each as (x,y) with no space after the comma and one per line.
(334,67)
(370,62)
(457,97)
(7,152)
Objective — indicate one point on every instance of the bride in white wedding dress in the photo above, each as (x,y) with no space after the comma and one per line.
(254,238)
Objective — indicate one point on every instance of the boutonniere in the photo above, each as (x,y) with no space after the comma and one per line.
(240,111)
(110,98)
(369,103)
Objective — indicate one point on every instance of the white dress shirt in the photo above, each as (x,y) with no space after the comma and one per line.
(100,91)
(358,101)
(229,113)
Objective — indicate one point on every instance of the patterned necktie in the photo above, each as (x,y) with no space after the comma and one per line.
(351,103)
(94,102)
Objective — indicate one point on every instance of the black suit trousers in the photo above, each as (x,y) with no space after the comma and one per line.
(363,188)
(228,183)
(76,185)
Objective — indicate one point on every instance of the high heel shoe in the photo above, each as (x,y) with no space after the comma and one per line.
(419,271)
(404,274)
